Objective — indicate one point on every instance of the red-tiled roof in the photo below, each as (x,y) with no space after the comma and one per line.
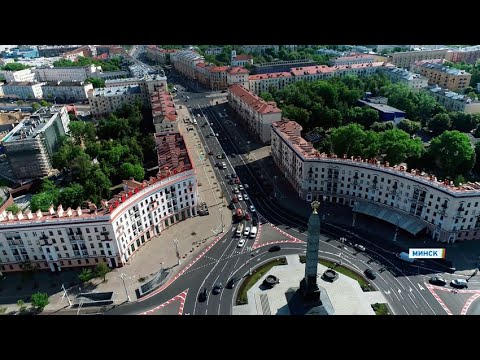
(172,153)
(269,75)
(243,57)
(163,105)
(310,70)
(218,68)
(238,70)
(253,101)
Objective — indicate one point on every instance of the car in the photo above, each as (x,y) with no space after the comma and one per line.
(232,282)
(248,217)
(359,247)
(217,289)
(459,283)
(220,156)
(234,175)
(216,134)
(234,199)
(274,248)
(231,182)
(235,190)
(252,208)
(240,187)
(210,152)
(241,243)
(227,176)
(246,231)
(198,115)
(246,186)
(437,280)
(212,134)
(240,197)
(203,295)
(369,273)
(231,206)
(237,181)
(232,155)
(245,197)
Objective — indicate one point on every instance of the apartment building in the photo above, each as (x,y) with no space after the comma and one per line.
(65,238)
(164,114)
(55,50)
(407,58)
(218,77)
(84,51)
(185,61)
(66,91)
(104,101)
(30,145)
(413,201)
(263,82)
(157,55)
(453,101)
(468,55)
(24,52)
(214,51)
(352,59)
(408,78)
(443,76)
(238,75)
(25,75)
(240,60)
(256,113)
(280,66)
(147,83)
(67,73)
(23,90)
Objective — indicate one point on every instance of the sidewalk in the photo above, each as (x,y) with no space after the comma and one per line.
(193,235)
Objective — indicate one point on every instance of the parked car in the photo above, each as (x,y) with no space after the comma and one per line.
(240,187)
(227,176)
(235,190)
(247,216)
(234,199)
(231,206)
(237,181)
(234,175)
(359,247)
(459,283)
(274,248)
(246,231)
(210,152)
(369,273)
(240,197)
(246,186)
(437,280)
(203,295)
(245,197)
(252,208)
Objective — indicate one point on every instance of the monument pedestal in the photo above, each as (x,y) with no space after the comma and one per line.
(310,293)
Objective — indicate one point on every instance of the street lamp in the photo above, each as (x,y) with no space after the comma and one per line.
(123,276)
(175,241)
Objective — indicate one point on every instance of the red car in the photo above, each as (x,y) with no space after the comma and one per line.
(237,181)
(234,199)
(247,216)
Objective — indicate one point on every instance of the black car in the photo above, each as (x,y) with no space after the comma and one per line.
(231,206)
(437,280)
(217,289)
(234,176)
(231,182)
(203,295)
(370,274)
(227,176)
(274,248)
(232,282)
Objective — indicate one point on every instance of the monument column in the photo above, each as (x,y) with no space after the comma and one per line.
(308,286)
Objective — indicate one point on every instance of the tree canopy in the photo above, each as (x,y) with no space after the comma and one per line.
(112,64)
(14,66)
(397,146)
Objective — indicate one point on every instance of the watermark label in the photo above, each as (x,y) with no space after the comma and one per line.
(426,253)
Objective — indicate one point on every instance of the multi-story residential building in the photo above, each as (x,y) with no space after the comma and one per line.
(112,75)
(218,77)
(407,58)
(30,145)
(55,50)
(202,75)
(65,238)
(214,51)
(23,90)
(412,80)
(18,76)
(256,113)
(453,101)
(259,49)
(468,55)
(238,75)
(66,91)
(185,61)
(158,56)
(263,82)
(147,83)
(352,59)
(68,73)
(164,113)
(240,60)
(280,66)
(1,89)
(25,52)
(411,200)
(104,101)
(84,51)
(443,76)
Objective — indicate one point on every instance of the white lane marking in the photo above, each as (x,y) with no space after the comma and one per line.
(421,287)
(394,293)
(405,309)
(413,300)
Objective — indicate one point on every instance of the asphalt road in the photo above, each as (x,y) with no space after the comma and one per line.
(403,284)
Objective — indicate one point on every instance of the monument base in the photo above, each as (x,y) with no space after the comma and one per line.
(298,304)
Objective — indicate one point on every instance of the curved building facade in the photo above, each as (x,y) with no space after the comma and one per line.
(412,200)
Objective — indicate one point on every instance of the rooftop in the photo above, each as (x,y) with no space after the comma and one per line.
(270,75)
(147,77)
(451,94)
(64,83)
(405,74)
(290,131)
(382,107)
(218,68)
(243,57)
(238,70)
(319,69)
(163,105)
(353,57)
(117,90)
(173,156)
(444,69)
(256,103)
(22,83)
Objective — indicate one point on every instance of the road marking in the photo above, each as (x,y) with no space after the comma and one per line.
(413,300)
(182,296)
(469,302)
(387,292)
(421,287)
(405,309)
(394,293)
(410,289)
(435,295)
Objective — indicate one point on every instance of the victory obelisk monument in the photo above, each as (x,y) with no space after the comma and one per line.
(308,286)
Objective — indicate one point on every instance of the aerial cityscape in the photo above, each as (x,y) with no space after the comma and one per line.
(239,179)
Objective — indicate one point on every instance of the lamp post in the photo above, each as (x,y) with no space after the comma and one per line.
(175,241)
(123,276)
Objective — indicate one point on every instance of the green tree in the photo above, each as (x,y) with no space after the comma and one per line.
(101,270)
(454,152)
(14,208)
(97,186)
(71,196)
(409,126)
(266,96)
(459,180)
(440,123)
(463,122)
(45,103)
(297,114)
(14,67)
(40,300)
(85,275)
(381,126)
(43,201)
(348,139)
(128,170)
(96,82)
(36,106)
(81,131)
(22,306)
(398,146)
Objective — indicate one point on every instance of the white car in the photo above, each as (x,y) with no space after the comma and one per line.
(239,197)
(246,231)
(240,187)
(241,243)
(246,186)
(252,209)
(235,190)
(198,115)
(245,197)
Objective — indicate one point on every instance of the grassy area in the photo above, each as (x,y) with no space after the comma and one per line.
(381,309)
(256,275)
(365,285)
(2,310)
